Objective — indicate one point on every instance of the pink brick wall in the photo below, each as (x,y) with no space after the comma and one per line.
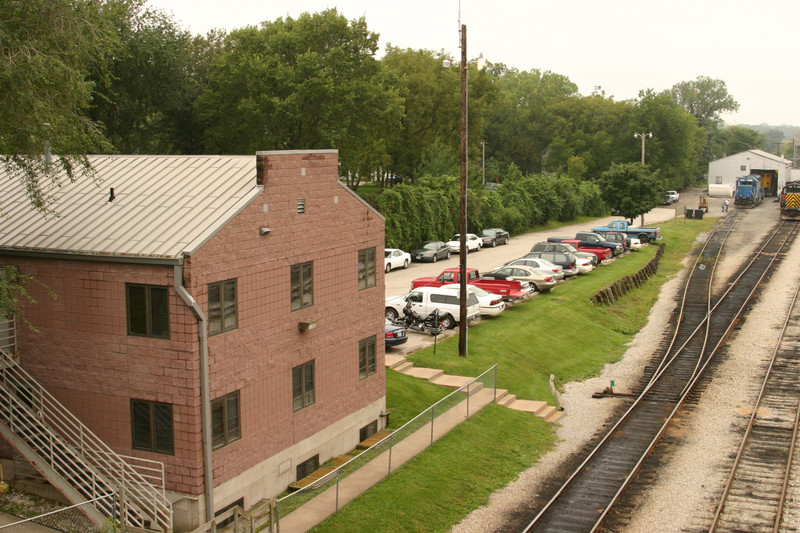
(83,355)
(257,358)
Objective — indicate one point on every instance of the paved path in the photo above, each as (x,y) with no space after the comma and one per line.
(322,506)
(7,525)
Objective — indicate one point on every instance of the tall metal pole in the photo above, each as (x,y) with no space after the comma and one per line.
(644,136)
(462,252)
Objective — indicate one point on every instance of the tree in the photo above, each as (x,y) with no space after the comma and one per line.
(677,141)
(304,83)
(521,126)
(705,99)
(46,50)
(631,189)
(145,97)
(735,139)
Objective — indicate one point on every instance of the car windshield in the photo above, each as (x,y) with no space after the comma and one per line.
(487,233)
(387,253)
(456,237)
(431,246)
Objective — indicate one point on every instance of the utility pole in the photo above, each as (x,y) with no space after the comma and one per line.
(462,252)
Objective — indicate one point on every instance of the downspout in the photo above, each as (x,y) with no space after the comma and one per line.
(205,400)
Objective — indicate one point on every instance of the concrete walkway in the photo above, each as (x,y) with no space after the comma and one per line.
(322,506)
(7,523)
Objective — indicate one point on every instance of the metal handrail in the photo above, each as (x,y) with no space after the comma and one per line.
(390,438)
(28,405)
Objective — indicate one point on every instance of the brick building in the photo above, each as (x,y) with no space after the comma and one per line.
(221,315)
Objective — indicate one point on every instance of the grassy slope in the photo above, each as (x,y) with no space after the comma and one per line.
(560,333)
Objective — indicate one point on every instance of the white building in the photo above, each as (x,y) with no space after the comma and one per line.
(774,170)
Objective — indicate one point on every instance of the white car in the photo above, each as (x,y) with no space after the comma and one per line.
(542,264)
(584,265)
(491,304)
(394,258)
(474,242)
(673,196)
(636,244)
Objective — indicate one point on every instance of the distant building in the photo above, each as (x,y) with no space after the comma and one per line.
(219,315)
(774,170)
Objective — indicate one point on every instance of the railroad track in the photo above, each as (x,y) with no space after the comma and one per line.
(754,495)
(703,323)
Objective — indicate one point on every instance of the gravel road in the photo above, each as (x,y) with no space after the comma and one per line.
(683,494)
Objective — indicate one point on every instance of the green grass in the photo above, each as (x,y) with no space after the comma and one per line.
(455,475)
(560,333)
(407,396)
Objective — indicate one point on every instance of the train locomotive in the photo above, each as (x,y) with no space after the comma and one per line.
(790,201)
(749,192)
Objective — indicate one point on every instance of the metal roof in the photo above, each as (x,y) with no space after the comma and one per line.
(164,206)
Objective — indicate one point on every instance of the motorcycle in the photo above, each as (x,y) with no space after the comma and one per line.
(413,320)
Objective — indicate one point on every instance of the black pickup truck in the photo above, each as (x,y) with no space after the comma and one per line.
(592,239)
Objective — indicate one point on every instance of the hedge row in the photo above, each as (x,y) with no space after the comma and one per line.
(430,209)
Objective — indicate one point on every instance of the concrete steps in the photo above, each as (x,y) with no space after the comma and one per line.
(537,408)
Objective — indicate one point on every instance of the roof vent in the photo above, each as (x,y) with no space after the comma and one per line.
(111,194)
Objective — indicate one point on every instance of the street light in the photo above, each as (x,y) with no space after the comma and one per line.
(643,136)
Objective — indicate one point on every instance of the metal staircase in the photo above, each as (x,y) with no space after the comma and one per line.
(76,461)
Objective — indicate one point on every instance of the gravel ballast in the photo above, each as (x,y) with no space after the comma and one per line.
(684,493)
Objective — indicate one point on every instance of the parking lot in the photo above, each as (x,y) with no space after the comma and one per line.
(398,282)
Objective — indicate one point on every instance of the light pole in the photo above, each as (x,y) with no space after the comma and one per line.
(643,136)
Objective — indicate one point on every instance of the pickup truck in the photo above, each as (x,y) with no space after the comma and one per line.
(585,241)
(509,289)
(600,252)
(643,234)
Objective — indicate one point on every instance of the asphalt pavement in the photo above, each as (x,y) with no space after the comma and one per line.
(398,282)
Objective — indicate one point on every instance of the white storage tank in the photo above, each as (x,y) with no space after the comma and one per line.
(720,190)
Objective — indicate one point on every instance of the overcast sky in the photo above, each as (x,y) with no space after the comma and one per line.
(619,45)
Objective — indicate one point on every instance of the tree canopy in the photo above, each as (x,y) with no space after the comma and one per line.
(632,189)
(310,82)
(47,49)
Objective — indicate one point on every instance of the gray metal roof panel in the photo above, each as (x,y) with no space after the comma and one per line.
(163,206)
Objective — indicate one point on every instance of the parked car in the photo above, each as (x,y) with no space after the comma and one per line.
(584,265)
(395,335)
(565,247)
(424,300)
(617,237)
(473,242)
(431,251)
(540,279)
(394,258)
(491,304)
(509,289)
(494,236)
(673,196)
(542,264)
(563,259)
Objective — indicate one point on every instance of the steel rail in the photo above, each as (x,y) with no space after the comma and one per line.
(699,369)
(751,424)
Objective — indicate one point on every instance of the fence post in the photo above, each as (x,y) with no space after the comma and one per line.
(495,383)
(468,395)
(277,516)
(337,490)
(432,410)
(391,447)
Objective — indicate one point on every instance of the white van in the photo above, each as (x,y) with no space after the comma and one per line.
(425,299)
